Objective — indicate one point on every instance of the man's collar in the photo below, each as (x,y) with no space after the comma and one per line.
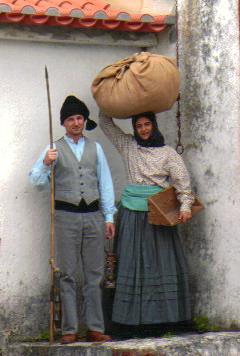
(70,139)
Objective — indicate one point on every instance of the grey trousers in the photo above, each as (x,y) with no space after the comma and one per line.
(80,238)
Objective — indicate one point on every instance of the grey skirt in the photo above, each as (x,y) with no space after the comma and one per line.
(152,279)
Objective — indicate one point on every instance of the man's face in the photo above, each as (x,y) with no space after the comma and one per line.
(144,128)
(74,125)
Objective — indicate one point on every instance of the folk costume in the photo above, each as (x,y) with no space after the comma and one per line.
(152,278)
(84,200)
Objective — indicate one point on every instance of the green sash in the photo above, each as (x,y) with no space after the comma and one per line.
(135,196)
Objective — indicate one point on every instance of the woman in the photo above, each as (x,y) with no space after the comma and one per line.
(152,286)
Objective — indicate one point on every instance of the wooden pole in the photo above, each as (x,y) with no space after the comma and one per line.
(52,226)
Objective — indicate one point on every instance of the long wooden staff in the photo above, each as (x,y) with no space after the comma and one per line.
(52,226)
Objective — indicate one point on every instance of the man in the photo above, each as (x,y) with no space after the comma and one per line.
(82,182)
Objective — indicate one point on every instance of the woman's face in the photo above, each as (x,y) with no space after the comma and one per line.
(144,128)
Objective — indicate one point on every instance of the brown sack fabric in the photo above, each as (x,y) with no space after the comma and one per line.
(143,82)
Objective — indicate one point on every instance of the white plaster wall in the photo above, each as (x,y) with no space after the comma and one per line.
(24,211)
(24,214)
(209,56)
(24,134)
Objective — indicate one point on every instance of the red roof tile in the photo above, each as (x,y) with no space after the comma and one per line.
(78,14)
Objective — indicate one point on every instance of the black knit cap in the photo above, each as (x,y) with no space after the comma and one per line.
(73,106)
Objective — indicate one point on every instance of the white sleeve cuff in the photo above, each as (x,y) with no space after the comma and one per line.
(108,218)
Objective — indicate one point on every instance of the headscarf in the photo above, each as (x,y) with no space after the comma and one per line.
(156,139)
(73,106)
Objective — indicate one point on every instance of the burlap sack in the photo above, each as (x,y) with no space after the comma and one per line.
(143,82)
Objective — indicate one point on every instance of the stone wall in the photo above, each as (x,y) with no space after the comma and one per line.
(209,57)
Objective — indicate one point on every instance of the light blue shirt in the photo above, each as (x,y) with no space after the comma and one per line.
(40,175)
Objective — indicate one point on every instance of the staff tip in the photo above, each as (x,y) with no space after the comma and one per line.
(46,71)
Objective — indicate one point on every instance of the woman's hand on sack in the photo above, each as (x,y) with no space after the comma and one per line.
(50,156)
(185,216)
(109,230)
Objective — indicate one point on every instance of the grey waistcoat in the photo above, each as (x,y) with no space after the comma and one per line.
(75,180)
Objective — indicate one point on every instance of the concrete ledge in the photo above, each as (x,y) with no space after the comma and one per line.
(209,344)
(78,37)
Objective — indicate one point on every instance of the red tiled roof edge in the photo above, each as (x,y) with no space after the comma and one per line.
(56,13)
